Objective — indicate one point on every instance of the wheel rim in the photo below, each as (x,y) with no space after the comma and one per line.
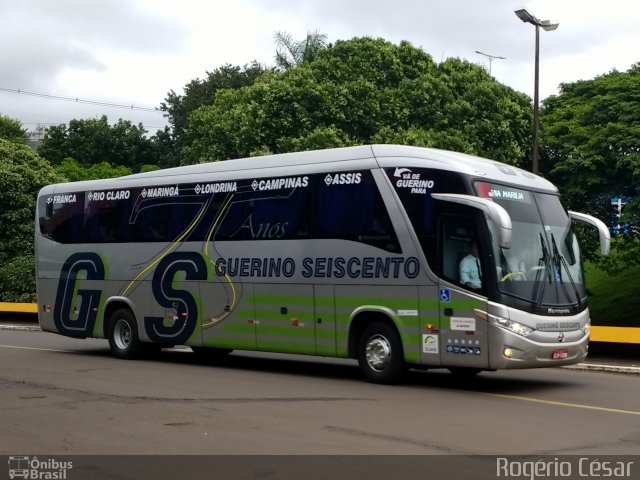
(122,334)
(378,353)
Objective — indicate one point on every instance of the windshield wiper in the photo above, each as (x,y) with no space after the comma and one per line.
(543,264)
(558,259)
(544,261)
(504,264)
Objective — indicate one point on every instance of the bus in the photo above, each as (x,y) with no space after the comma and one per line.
(350,252)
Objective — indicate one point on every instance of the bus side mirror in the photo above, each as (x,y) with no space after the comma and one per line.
(492,211)
(603,231)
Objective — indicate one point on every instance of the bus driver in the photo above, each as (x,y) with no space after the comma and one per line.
(470,273)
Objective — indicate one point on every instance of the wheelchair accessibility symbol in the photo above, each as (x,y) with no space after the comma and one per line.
(445,295)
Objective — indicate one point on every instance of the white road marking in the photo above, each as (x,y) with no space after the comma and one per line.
(34,348)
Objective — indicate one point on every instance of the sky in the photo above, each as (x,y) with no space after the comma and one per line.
(133,52)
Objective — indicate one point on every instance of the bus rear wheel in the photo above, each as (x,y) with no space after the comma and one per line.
(380,354)
(123,334)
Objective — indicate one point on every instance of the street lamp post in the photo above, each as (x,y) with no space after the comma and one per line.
(491,58)
(548,26)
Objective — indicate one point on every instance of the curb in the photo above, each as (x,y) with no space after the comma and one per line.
(595,367)
(588,367)
(22,327)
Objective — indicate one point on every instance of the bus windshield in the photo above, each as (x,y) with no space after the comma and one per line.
(543,267)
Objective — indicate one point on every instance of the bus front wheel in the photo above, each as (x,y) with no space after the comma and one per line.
(380,354)
(123,334)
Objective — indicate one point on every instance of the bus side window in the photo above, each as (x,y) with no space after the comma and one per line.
(353,211)
(107,222)
(452,256)
(284,216)
(164,220)
(456,232)
(61,222)
(230,219)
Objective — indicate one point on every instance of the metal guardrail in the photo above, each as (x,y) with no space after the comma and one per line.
(598,333)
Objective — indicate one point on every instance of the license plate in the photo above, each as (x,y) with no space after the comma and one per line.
(559,354)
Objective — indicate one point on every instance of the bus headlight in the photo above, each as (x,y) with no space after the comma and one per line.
(514,327)
(586,329)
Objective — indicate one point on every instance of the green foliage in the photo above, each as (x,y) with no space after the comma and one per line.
(260,151)
(590,140)
(11,129)
(590,137)
(18,279)
(624,252)
(290,52)
(22,174)
(70,169)
(149,168)
(361,91)
(613,297)
(165,149)
(319,138)
(199,92)
(419,137)
(94,141)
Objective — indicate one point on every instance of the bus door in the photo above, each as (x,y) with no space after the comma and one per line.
(463,335)
(325,320)
(285,318)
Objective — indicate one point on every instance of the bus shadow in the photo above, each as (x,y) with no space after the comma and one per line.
(302,366)
(514,382)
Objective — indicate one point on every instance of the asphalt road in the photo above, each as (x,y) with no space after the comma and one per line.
(62,396)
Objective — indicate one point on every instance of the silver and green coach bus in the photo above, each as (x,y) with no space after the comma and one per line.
(351,252)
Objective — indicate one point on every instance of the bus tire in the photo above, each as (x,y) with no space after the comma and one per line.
(123,334)
(380,355)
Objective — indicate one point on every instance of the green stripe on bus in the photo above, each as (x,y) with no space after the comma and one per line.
(277,316)
(393,303)
(273,346)
(231,342)
(238,328)
(308,300)
(292,332)
(282,299)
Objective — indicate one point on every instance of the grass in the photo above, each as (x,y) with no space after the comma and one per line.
(614,299)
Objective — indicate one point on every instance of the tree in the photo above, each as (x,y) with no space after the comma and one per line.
(164,148)
(11,129)
(94,141)
(590,139)
(22,174)
(73,172)
(290,52)
(199,92)
(361,91)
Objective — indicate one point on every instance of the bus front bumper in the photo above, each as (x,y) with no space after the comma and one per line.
(509,350)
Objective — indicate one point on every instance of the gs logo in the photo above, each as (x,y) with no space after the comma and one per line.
(80,322)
